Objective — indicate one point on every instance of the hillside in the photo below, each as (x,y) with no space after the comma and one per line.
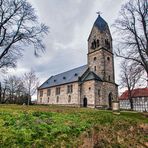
(53,126)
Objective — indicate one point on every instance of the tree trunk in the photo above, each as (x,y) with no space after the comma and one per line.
(131,103)
(130,99)
(29,100)
(4,95)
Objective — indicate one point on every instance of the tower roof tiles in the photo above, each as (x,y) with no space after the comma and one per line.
(100,23)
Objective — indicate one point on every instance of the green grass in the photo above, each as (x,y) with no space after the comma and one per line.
(56,126)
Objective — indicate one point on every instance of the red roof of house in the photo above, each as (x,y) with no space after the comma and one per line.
(139,92)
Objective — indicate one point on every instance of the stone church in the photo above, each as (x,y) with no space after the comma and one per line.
(92,85)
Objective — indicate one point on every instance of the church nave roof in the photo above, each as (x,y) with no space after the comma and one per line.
(65,77)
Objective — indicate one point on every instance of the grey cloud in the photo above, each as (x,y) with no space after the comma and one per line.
(70,23)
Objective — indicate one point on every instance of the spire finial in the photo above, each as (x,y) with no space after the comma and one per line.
(99,13)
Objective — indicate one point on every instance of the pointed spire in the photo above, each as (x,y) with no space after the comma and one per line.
(100,23)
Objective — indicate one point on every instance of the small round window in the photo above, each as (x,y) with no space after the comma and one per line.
(108,59)
(95,58)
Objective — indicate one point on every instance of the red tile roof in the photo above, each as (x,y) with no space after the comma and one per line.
(139,92)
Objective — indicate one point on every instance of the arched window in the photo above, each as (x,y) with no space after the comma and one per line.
(110,98)
(95,68)
(98,43)
(95,58)
(92,45)
(108,59)
(69,89)
(48,92)
(57,99)
(99,92)
(107,44)
(41,93)
(40,100)
(57,90)
(109,78)
(95,44)
(69,99)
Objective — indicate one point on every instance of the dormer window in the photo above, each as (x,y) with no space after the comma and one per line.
(76,74)
(54,80)
(64,78)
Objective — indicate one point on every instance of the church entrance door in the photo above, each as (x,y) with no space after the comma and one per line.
(110,97)
(85,102)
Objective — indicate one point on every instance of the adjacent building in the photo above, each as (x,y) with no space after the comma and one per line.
(140,99)
(92,85)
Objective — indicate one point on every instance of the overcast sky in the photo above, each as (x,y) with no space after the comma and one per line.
(70,23)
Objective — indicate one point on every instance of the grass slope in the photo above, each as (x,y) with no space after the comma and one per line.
(54,126)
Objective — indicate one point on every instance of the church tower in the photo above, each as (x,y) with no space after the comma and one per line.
(100,51)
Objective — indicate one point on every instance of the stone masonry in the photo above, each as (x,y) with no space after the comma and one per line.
(92,85)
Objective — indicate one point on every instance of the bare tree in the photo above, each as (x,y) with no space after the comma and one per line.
(13,91)
(19,27)
(130,77)
(3,93)
(132,32)
(13,87)
(30,83)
